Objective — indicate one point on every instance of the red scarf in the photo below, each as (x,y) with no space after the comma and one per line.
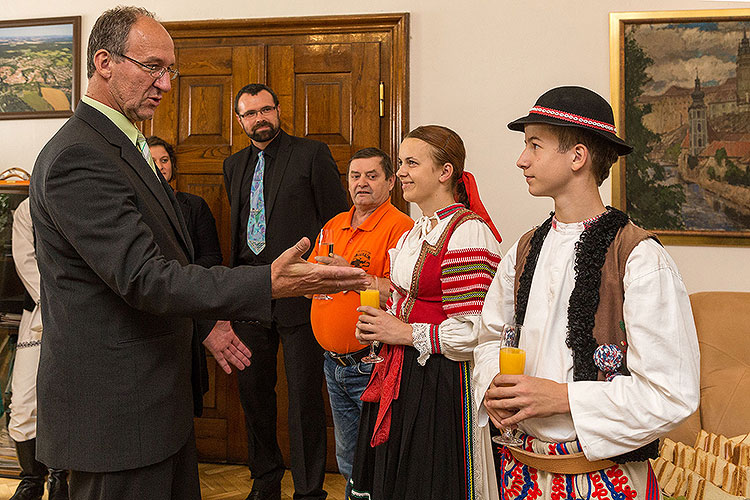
(475,203)
(383,388)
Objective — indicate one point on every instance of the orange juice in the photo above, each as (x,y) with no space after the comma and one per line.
(370,298)
(512,360)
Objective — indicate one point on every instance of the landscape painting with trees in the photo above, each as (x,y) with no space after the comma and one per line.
(39,67)
(685,107)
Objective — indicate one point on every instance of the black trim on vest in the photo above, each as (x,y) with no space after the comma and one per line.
(591,251)
(524,282)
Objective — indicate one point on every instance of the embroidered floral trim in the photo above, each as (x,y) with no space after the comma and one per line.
(31,343)
(465,277)
(449,210)
(586,223)
(570,117)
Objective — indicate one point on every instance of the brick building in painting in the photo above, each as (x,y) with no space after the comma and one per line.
(705,135)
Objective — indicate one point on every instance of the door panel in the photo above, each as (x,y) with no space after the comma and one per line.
(319,58)
(323,107)
(336,97)
(205,110)
(326,72)
(206,61)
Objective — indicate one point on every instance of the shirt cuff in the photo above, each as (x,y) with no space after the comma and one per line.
(426,340)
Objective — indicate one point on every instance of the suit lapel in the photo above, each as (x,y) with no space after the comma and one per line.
(130,154)
(280,164)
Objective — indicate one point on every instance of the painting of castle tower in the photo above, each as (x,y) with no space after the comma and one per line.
(687,113)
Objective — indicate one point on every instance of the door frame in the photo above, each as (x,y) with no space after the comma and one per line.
(396,91)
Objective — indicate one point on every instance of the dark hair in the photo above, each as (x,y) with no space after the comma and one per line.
(158,141)
(110,32)
(385,160)
(603,153)
(254,89)
(446,147)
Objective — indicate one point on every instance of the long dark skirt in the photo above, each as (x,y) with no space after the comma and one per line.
(428,453)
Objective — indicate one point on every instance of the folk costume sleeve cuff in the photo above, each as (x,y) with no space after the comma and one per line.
(426,340)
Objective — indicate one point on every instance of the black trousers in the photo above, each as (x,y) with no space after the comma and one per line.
(303,363)
(175,478)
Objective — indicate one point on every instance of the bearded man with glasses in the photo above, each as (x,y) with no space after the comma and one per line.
(280,189)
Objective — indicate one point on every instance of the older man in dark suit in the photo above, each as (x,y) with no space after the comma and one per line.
(281,188)
(114,392)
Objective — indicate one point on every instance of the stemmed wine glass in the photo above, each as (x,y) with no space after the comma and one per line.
(371,297)
(325,247)
(512,362)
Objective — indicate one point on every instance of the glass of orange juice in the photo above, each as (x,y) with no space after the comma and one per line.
(371,297)
(512,362)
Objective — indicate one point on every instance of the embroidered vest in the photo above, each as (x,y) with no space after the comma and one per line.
(588,340)
(423,302)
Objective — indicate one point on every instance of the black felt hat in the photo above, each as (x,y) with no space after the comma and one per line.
(575,107)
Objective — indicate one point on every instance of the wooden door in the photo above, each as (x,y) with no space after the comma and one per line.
(341,80)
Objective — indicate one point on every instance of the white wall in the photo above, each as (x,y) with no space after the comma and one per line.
(475,66)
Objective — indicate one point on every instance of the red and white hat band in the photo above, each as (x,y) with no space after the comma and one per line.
(569,117)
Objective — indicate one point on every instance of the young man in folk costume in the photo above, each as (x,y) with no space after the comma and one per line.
(611,348)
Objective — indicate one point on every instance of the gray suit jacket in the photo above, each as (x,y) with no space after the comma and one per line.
(117,293)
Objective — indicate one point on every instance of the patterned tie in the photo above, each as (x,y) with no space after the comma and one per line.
(256,222)
(145,151)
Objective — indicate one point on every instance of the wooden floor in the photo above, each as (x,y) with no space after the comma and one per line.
(223,482)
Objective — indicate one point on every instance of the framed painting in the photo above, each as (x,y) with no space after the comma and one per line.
(680,83)
(39,67)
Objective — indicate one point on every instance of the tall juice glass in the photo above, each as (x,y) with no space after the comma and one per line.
(371,297)
(325,248)
(512,362)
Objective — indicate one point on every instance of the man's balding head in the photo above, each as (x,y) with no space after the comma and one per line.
(110,32)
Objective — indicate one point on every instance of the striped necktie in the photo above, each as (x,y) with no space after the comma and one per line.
(256,221)
(142,146)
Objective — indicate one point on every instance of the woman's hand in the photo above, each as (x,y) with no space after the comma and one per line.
(376,324)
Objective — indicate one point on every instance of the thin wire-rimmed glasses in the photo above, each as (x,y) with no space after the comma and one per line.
(155,71)
(264,111)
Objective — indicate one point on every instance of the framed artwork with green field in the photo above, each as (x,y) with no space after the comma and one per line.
(39,67)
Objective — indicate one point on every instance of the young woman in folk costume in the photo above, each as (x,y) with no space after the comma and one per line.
(417,436)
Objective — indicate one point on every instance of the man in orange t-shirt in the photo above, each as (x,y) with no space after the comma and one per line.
(361,238)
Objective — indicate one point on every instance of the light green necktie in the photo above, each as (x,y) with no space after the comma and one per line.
(145,151)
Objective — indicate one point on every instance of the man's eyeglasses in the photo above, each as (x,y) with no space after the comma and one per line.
(264,111)
(155,71)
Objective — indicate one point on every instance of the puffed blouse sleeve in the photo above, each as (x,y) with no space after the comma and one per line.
(467,270)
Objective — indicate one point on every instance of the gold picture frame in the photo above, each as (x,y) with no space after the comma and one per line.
(688,178)
(40,68)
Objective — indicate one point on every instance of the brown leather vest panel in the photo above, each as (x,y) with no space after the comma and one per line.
(609,318)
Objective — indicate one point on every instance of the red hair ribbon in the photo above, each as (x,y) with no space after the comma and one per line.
(475,203)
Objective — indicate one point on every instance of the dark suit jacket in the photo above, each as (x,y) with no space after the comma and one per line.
(117,292)
(305,193)
(201,227)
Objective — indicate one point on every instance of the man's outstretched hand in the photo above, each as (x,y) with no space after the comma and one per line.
(227,348)
(291,276)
